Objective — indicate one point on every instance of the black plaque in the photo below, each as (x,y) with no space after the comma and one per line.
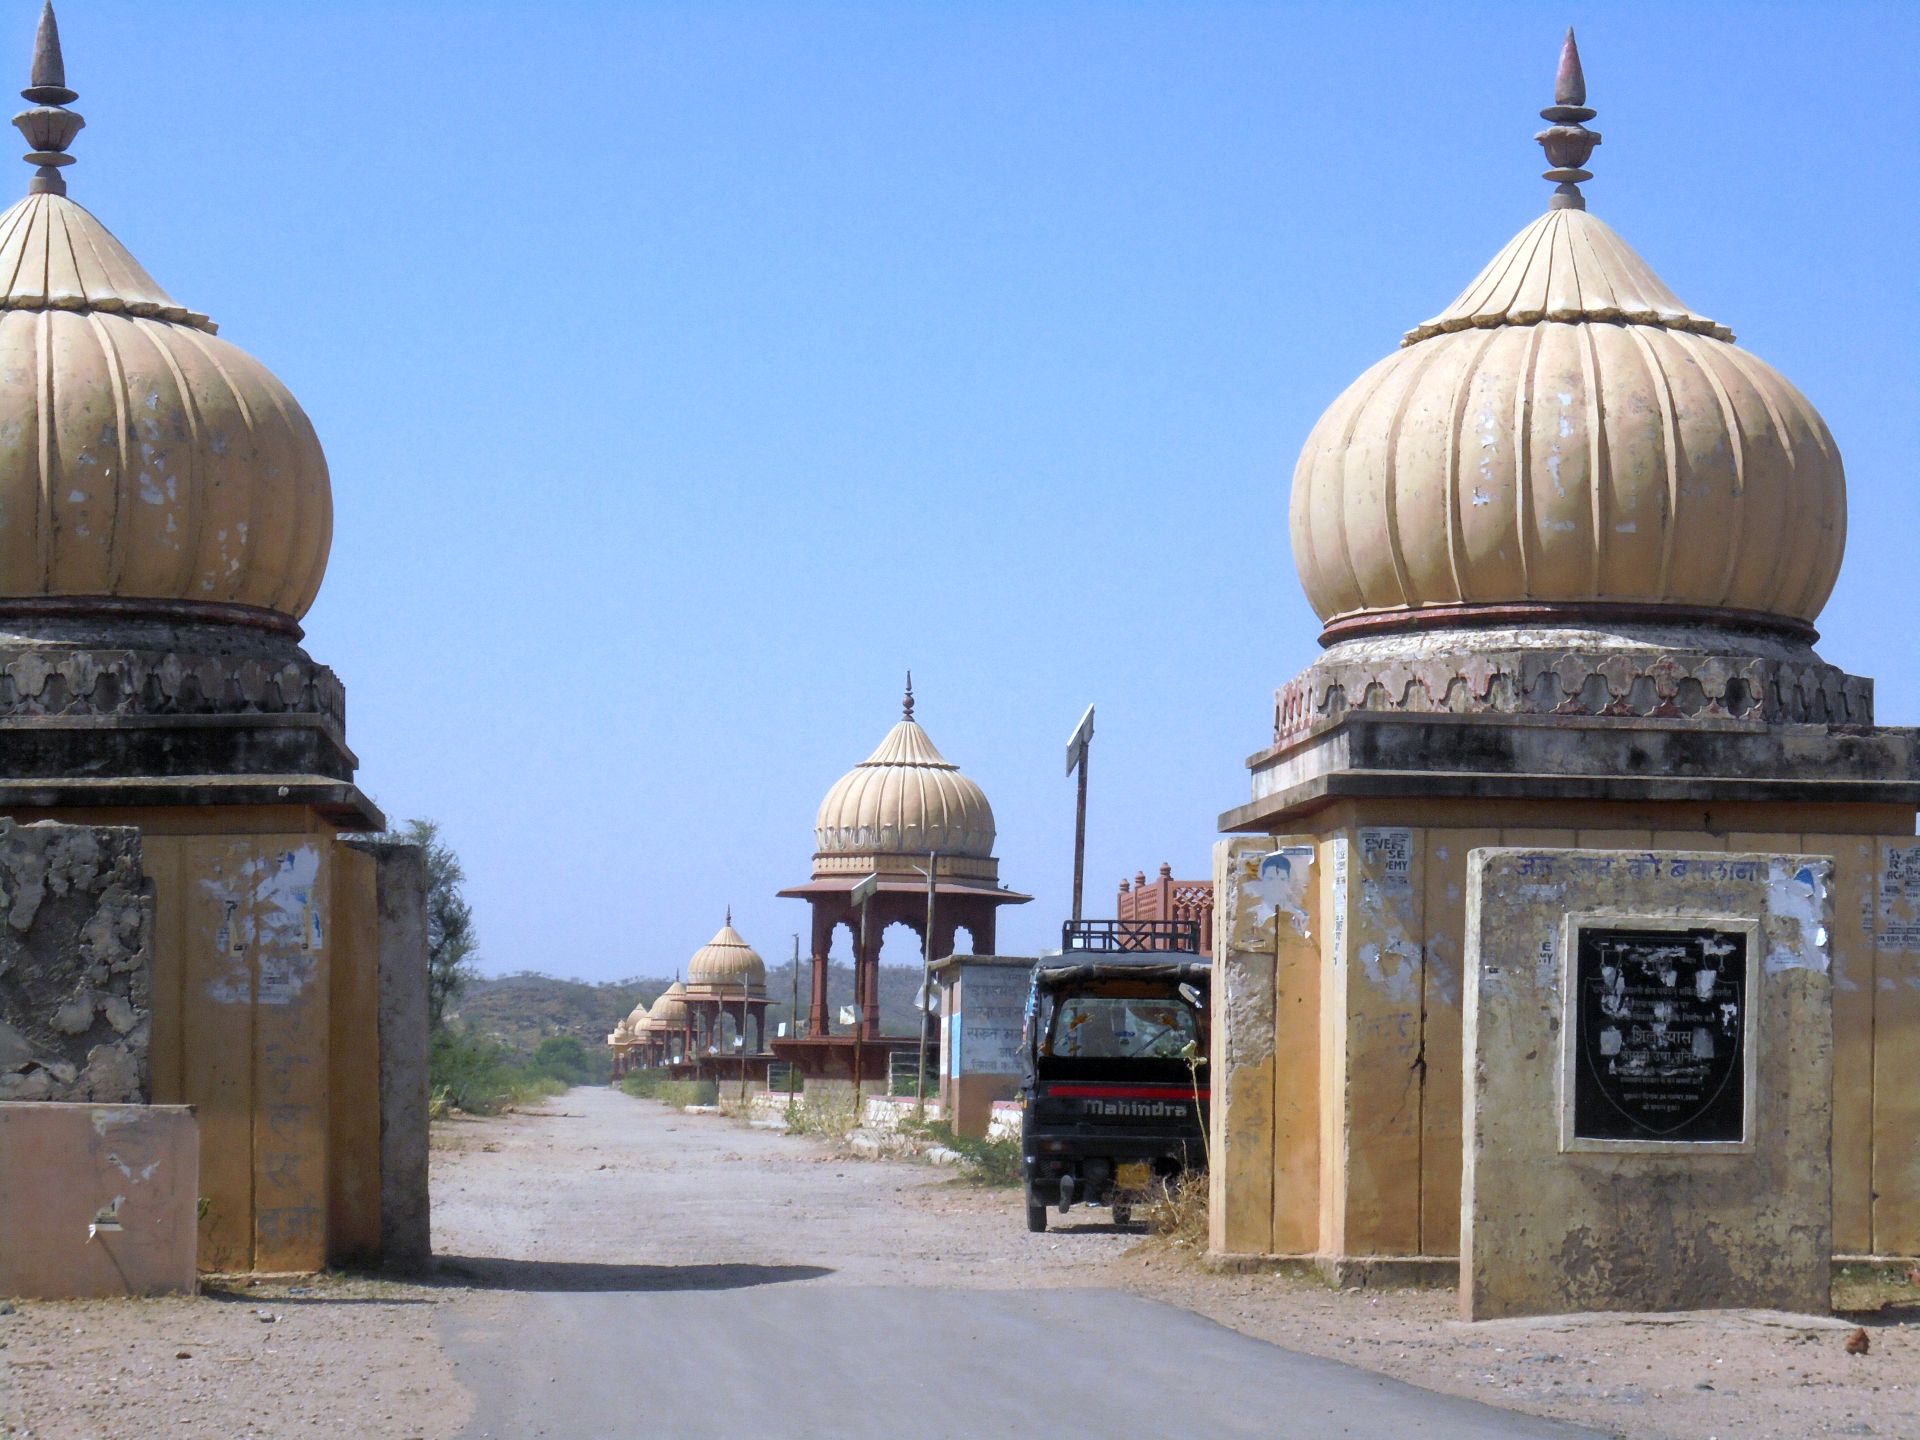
(1660,1026)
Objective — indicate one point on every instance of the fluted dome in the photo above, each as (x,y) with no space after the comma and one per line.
(670,1011)
(1569,440)
(727,962)
(142,458)
(905,799)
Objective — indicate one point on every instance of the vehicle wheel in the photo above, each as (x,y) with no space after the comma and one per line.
(1036,1215)
(1123,1214)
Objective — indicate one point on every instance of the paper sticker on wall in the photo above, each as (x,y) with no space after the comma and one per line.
(1899,927)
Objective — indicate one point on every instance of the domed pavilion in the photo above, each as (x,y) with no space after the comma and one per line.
(911,821)
(1568,544)
(165,522)
(726,997)
(670,1026)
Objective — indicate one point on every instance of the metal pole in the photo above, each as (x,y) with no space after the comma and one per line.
(926,992)
(859,1006)
(742,1051)
(1080,832)
(793,1020)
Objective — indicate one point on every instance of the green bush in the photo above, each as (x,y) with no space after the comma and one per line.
(660,1085)
(566,1059)
(984,1161)
(480,1076)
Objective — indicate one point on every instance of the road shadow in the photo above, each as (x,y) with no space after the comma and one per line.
(487,1272)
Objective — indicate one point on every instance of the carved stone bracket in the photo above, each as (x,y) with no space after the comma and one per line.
(1659,685)
(38,681)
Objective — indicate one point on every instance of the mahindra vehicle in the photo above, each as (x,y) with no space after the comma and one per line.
(1115,1094)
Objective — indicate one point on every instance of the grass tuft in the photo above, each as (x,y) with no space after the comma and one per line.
(984,1161)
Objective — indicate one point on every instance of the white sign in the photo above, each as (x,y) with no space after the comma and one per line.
(1077,746)
(989,1021)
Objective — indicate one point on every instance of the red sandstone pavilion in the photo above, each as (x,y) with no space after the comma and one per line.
(903,810)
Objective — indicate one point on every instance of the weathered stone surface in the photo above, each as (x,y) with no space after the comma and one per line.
(98,1200)
(1665,672)
(75,964)
(406,1238)
(1553,1222)
(1577,758)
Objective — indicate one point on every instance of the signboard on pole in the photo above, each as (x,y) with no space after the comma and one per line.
(1077,746)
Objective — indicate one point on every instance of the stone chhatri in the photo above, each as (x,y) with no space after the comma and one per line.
(1569,442)
(145,464)
(727,962)
(906,798)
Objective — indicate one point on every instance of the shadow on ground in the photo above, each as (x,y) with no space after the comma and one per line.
(571,1276)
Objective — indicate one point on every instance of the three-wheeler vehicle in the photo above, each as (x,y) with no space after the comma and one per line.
(1115,1092)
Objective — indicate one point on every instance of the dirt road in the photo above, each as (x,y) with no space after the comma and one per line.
(686,1276)
(612,1267)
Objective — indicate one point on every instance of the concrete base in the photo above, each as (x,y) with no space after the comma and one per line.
(1634,1216)
(1345,1272)
(98,1200)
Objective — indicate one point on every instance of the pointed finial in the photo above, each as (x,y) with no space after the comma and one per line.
(906,705)
(1568,142)
(729,917)
(49,126)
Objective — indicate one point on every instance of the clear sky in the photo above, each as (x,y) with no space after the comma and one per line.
(688,371)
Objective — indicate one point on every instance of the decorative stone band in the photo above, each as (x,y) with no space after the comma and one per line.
(1657,685)
(1563,612)
(39,681)
(177,612)
(903,863)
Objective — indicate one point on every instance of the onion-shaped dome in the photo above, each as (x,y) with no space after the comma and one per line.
(727,962)
(670,1011)
(145,463)
(905,799)
(1569,440)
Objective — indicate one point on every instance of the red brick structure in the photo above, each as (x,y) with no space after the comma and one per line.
(1165,898)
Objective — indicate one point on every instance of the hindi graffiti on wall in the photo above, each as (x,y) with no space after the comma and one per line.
(987,1026)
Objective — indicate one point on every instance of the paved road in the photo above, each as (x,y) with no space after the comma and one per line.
(733,1318)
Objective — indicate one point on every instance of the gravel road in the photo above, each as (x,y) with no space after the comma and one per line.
(685,1276)
(613,1267)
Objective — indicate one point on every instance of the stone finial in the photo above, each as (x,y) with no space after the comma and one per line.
(1567,141)
(49,126)
(906,705)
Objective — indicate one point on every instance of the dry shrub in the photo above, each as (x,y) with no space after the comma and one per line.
(827,1113)
(1177,1215)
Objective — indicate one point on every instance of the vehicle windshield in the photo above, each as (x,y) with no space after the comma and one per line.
(1116,1027)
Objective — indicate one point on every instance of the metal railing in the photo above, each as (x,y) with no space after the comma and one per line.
(1131,936)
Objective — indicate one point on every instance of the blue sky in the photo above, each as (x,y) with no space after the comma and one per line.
(688,371)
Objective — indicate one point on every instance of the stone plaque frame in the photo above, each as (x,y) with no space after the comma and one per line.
(1569,961)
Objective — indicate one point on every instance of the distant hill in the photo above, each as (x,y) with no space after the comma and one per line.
(521,1010)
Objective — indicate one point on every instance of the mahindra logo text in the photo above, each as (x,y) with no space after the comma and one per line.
(1137,1109)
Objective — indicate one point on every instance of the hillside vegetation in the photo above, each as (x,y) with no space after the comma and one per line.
(521,1010)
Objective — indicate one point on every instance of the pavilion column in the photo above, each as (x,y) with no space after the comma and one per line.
(983,928)
(822,944)
(869,969)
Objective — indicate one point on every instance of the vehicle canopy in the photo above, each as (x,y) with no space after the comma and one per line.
(1097,1018)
